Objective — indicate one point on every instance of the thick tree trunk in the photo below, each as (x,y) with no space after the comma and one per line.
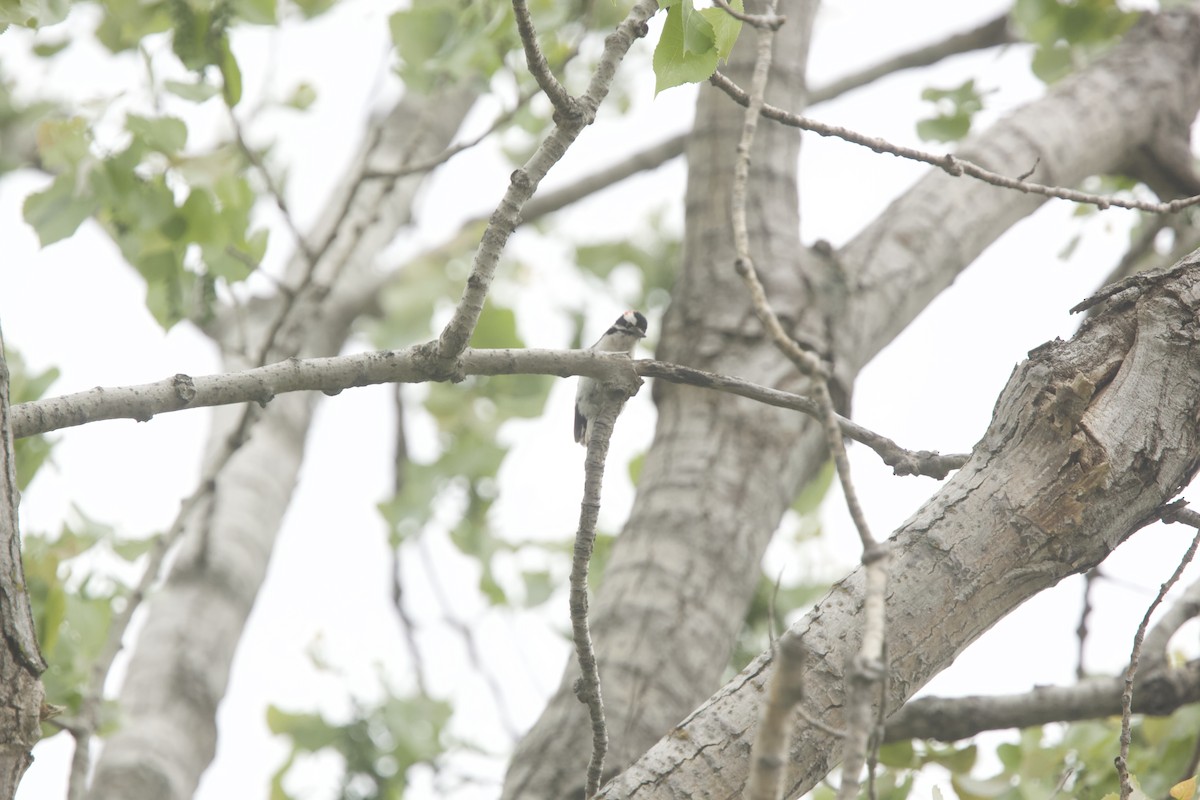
(722,471)
(1088,440)
(180,666)
(21,663)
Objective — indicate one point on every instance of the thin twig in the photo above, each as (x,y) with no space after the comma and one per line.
(867,668)
(772,21)
(272,187)
(587,687)
(1188,517)
(524,181)
(1081,631)
(950,163)
(560,98)
(465,632)
(437,159)
(408,628)
(86,721)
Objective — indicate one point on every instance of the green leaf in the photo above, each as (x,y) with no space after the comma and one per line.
(57,211)
(303,96)
(497,328)
(674,64)
(420,33)
(958,760)
(1052,62)
(50,49)
(196,92)
(898,755)
(63,143)
(313,8)
(133,549)
(166,135)
(256,12)
(635,467)
(308,732)
(955,108)
(231,89)
(698,35)
(725,26)
(944,129)
(33,13)
(810,497)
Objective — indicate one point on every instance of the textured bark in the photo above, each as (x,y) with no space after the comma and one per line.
(180,667)
(21,663)
(1087,441)
(721,471)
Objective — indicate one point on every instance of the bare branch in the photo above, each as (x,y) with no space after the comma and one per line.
(334,374)
(992,33)
(587,687)
(565,106)
(408,628)
(951,718)
(524,181)
(1170,514)
(950,163)
(769,20)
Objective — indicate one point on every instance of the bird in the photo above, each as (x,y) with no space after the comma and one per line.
(621,337)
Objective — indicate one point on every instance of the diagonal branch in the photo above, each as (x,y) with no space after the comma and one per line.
(524,181)
(565,106)
(950,163)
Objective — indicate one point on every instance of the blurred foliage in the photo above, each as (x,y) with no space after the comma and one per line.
(442,43)
(1068,34)
(134,194)
(31,452)
(1069,760)
(954,110)
(74,601)
(378,744)
(693,43)
(773,599)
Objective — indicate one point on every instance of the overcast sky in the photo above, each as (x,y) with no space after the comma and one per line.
(76,305)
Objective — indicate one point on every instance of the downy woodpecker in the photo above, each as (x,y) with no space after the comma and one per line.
(620,338)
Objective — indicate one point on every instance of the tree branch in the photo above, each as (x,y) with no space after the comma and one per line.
(565,106)
(524,181)
(333,374)
(1070,466)
(948,719)
(587,688)
(948,162)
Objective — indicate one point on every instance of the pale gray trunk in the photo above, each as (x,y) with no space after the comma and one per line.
(180,665)
(721,471)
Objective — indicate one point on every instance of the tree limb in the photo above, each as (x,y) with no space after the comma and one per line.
(1075,460)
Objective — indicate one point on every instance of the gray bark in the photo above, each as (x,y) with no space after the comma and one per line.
(180,665)
(21,663)
(722,471)
(1088,440)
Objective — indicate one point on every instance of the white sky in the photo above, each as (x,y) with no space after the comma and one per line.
(76,306)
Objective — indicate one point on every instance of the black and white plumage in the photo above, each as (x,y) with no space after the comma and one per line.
(620,338)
